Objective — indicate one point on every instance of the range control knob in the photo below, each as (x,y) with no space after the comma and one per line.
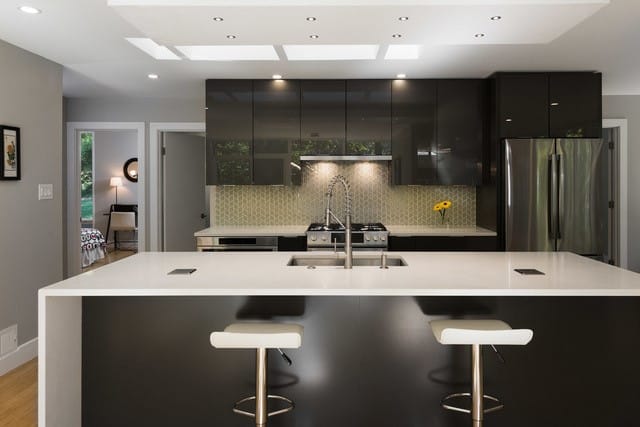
(324,238)
(313,238)
(367,238)
(375,238)
(382,238)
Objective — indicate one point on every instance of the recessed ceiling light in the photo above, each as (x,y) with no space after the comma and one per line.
(218,18)
(30,10)
(314,36)
(153,76)
(479,35)
(231,36)
(230,53)
(311,18)
(402,51)
(496,18)
(330,52)
(396,36)
(153,49)
(403,18)
(277,77)
(401,76)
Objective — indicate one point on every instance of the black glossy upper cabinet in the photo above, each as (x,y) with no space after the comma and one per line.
(276,130)
(575,102)
(368,117)
(523,105)
(461,116)
(322,117)
(414,132)
(229,118)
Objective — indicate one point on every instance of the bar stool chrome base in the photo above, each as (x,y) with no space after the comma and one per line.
(237,410)
(444,404)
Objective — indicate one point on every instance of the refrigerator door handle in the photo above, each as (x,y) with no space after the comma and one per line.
(561,196)
(552,195)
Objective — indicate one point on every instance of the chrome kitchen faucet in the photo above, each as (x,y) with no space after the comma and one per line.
(348,262)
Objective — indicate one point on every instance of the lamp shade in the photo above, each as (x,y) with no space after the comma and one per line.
(115,181)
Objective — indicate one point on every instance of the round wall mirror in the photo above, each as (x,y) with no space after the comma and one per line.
(131,169)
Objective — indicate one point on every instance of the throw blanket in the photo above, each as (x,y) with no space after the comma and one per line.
(93,246)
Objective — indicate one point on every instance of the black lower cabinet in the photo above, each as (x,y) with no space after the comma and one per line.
(443,243)
(364,361)
(292,244)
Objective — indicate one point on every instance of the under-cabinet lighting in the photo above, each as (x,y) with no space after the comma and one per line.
(230,53)
(330,52)
(403,51)
(401,76)
(153,49)
(153,76)
(277,77)
(295,166)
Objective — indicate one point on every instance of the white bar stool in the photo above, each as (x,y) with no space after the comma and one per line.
(260,336)
(477,333)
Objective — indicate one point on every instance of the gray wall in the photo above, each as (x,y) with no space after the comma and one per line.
(125,109)
(112,148)
(31,236)
(628,107)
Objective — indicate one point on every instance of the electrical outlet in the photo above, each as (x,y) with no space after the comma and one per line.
(8,340)
(45,191)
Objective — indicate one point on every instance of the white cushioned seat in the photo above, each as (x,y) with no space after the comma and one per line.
(258,335)
(482,332)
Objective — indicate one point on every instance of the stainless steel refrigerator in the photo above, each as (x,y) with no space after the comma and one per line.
(557,196)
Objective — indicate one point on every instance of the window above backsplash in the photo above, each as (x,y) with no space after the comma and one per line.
(374,199)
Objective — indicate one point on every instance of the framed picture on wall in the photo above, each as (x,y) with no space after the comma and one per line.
(10,167)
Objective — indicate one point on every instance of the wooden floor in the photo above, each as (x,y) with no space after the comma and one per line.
(19,395)
(112,256)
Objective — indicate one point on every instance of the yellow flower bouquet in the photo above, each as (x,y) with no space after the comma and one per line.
(441,208)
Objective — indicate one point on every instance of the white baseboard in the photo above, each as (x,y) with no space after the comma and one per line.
(19,356)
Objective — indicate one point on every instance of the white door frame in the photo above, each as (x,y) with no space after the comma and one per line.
(623,203)
(155,178)
(73,186)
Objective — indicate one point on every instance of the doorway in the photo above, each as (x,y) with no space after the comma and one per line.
(88,194)
(614,133)
(185,197)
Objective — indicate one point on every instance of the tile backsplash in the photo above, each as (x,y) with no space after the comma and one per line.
(373,199)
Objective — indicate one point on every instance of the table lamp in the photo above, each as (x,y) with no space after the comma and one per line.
(116,181)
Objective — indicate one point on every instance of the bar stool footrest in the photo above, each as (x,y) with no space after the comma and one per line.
(237,410)
(444,404)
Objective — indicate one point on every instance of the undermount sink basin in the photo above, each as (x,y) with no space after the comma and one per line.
(335,261)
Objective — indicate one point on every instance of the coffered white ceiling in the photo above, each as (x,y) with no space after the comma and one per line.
(89,38)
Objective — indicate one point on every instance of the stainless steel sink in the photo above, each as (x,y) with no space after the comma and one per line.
(335,261)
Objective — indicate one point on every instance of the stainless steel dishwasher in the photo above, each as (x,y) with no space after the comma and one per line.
(237,244)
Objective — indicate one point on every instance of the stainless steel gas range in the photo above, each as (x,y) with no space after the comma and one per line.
(363,236)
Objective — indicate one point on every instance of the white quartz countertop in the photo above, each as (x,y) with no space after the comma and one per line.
(423,230)
(299,230)
(427,274)
(253,231)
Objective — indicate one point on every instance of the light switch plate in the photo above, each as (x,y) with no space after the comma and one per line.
(45,191)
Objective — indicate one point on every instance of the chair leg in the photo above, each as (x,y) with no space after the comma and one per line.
(261,387)
(477,393)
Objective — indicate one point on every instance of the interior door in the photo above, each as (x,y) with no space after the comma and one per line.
(583,212)
(185,201)
(528,180)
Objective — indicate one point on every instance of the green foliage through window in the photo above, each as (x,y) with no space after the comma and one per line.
(86,176)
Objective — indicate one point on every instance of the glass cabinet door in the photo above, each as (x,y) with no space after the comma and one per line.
(368,117)
(322,118)
(229,119)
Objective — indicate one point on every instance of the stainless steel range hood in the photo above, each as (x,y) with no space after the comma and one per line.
(345,158)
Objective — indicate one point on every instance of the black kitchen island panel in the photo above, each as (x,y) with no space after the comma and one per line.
(365,361)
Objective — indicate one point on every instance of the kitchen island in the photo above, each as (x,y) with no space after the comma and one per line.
(127,344)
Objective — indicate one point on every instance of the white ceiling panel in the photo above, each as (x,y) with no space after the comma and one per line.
(88,37)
